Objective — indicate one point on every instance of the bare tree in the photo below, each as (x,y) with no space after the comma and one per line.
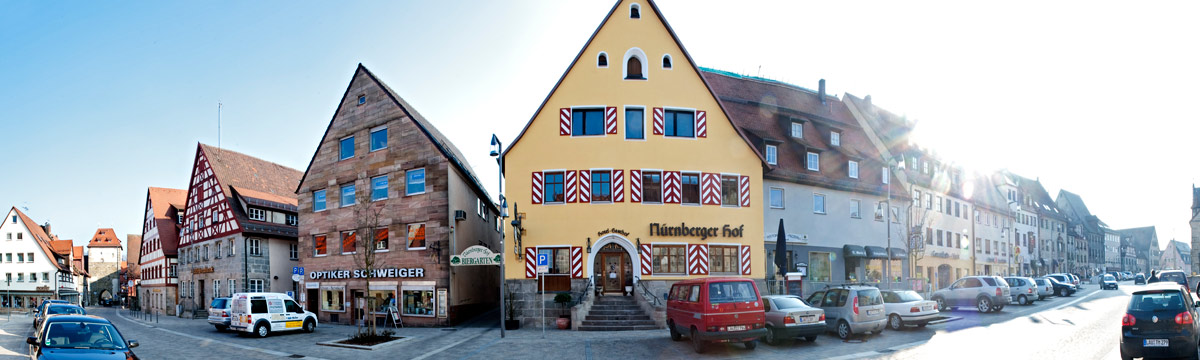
(916,238)
(367,219)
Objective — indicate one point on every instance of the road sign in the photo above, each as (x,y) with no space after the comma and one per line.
(298,270)
(543,263)
(291,294)
(297,277)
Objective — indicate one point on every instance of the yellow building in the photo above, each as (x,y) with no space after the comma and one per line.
(630,176)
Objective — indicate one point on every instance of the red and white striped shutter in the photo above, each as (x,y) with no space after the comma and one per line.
(576,262)
(618,186)
(710,189)
(672,187)
(658,121)
(585,186)
(635,186)
(744,190)
(564,121)
(647,264)
(701,123)
(697,259)
(569,180)
(610,120)
(537,187)
(530,262)
(745,259)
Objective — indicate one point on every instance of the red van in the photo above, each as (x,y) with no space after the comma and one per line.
(720,310)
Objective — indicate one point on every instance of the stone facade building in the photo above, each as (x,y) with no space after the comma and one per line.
(158,264)
(1177,256)
(103,264)
(1144,243)
(383,171)
(239,228)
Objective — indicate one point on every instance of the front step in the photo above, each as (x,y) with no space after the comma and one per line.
(616,317)
(617,328)
(616,313)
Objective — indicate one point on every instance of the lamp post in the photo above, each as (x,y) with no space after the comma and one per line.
(497,150)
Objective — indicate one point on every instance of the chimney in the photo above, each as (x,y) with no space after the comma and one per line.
(821,90)
(46,228)
(868,100)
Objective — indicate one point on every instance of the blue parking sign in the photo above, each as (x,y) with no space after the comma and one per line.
(543,263)
(296,270)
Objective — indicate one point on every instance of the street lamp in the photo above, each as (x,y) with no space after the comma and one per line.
(497,151)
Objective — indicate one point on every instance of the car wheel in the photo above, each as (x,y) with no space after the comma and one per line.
(1023,300)
(675,335)
(810,338)
(262,330)
(221,328)
(1041,297)
(895,323)
(1062,292)
(770,338)
(697,344)
(921,325)
(750,345)
(983,304)
(310,326)
(843,330)
(941,303)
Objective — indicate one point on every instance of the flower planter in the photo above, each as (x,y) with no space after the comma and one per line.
(564,322)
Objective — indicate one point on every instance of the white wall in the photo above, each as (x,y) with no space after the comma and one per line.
(834,228)
(42,263)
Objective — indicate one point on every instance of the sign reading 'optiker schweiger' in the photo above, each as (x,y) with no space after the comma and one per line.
(657,229)
(359,274)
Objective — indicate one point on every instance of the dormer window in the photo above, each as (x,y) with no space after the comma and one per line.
(772,155)
(798,130)
(635,11)
(666,62)
(853,171)
(814,161)
(835,138)
(602,60)
(634,69)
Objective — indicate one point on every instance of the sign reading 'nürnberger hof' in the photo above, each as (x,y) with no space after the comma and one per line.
(657,229)
(359,274)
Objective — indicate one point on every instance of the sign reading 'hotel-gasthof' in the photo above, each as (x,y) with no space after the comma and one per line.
(359,274)
(657,229)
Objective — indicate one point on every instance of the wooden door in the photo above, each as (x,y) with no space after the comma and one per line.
(614,273)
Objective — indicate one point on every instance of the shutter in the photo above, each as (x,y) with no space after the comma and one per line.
(647,264)
(672,187)
(577,262)
(585,186)
(697,259)
(610,120)
(701,124)
(569,184)
(745,256)
(635,186)
(530,263)
(658,121)
(564,122)
(537,187)
(744,190)
(618,186)
(710,189)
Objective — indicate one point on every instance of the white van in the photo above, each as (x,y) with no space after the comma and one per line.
(263,313)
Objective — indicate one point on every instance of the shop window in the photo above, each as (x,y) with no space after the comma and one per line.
(602,186)
(417,301)
(554,187)
(381,239)
(691,188)
(333,299)
(819,266)
(385,300)
(560,260)
(723,259)
(669,259)
(651,187)
(587,122)
(416,236)
(348,242)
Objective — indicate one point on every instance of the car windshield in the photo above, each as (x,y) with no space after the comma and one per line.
(1172,277)
(1109,278)
(869,297)
(789,303)
(907,295)
(82,335)
(1156,301)
(58,310)
(219,303)
(731,291)
(1040,281)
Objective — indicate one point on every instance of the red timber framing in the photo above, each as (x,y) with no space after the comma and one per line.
(207,205)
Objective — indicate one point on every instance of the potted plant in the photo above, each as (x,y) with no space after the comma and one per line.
(563,300)
(510,308)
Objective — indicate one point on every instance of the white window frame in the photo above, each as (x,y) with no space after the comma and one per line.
(770,197)
(855,209)
(424,182)
(772,155)
(824,204)
(835,138)
(813,161)
(256,214)
(853,169)
(253,246)
(885,175)
(251,287)
(797,130)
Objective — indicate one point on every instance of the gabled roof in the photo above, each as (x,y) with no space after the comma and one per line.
(163,198)
(39,235)
(987,194)
(762,158)
(1075,207)
(232,168)
(1140,238)
(134,255)
(1182,248)
(61,247)
(439,140)
(104,237)
(77,253)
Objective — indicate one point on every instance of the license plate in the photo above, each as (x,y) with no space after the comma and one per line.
(809,319)
(1155,343)
(872,312)
(737,328)
(292,324)
(928,307)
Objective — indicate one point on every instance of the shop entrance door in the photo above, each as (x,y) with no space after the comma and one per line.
(615,271)
(313,300)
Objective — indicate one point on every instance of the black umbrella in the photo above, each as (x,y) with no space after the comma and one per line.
(781,261)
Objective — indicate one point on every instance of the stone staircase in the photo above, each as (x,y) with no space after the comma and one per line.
(615,313)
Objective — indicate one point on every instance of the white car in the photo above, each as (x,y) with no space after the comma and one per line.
(263,313)
(1109,282)
(906,307)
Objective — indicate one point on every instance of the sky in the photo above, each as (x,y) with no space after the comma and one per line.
(99,100)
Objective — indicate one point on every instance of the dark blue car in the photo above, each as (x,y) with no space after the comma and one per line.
(79,337)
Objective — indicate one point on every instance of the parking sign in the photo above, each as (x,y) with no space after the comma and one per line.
(296,270)
(543,263)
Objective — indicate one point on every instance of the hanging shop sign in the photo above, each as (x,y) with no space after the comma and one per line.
(657,229)
(476,255)
(203,270)
(359,274)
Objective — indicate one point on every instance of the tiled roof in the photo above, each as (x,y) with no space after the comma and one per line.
(104,237)
(232,168)
(987,195)
(77,252)
(39,235)
(764,110)
(262,196)
(167,203)
(1140,238)
(134,253)
(61,247)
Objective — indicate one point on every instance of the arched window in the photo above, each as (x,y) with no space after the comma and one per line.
(633,69)
(602,60)
(666,63)
(635,11)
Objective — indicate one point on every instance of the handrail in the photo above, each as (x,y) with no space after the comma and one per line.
(583,296)
(646,292)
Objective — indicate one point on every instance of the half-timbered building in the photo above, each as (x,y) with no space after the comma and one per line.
(157,268)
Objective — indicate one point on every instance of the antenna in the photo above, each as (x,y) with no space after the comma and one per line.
(218,128)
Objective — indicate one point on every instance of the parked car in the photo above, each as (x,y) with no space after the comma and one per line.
(262,313)
(789,317)
(985,293)
(37,312)
(1140,278)
(1061,288)
(57,309)
(1125,275)
(1160,322)
(851,309)
(1109,281)
(1023,289)
(79,337)
(1045,288)
(716,310)
(907,308)
(218,313)
(1175,276)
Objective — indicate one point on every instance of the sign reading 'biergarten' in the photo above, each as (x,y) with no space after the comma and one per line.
(359,274)
(476,255)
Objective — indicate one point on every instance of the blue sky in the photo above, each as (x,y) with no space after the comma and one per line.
(99,100)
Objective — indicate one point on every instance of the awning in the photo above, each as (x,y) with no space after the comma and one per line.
(852,251)
(877,252)
(898,253)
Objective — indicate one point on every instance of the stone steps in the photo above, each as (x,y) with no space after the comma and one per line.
(617,328)
(616,317)
(615,313)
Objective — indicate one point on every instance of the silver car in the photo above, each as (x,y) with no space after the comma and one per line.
(851,309)
(1045,288)
(1024,290)
(788,318)
(984,293)
(906,307)
(218,313)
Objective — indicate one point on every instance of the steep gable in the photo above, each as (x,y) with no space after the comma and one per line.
(39,234)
